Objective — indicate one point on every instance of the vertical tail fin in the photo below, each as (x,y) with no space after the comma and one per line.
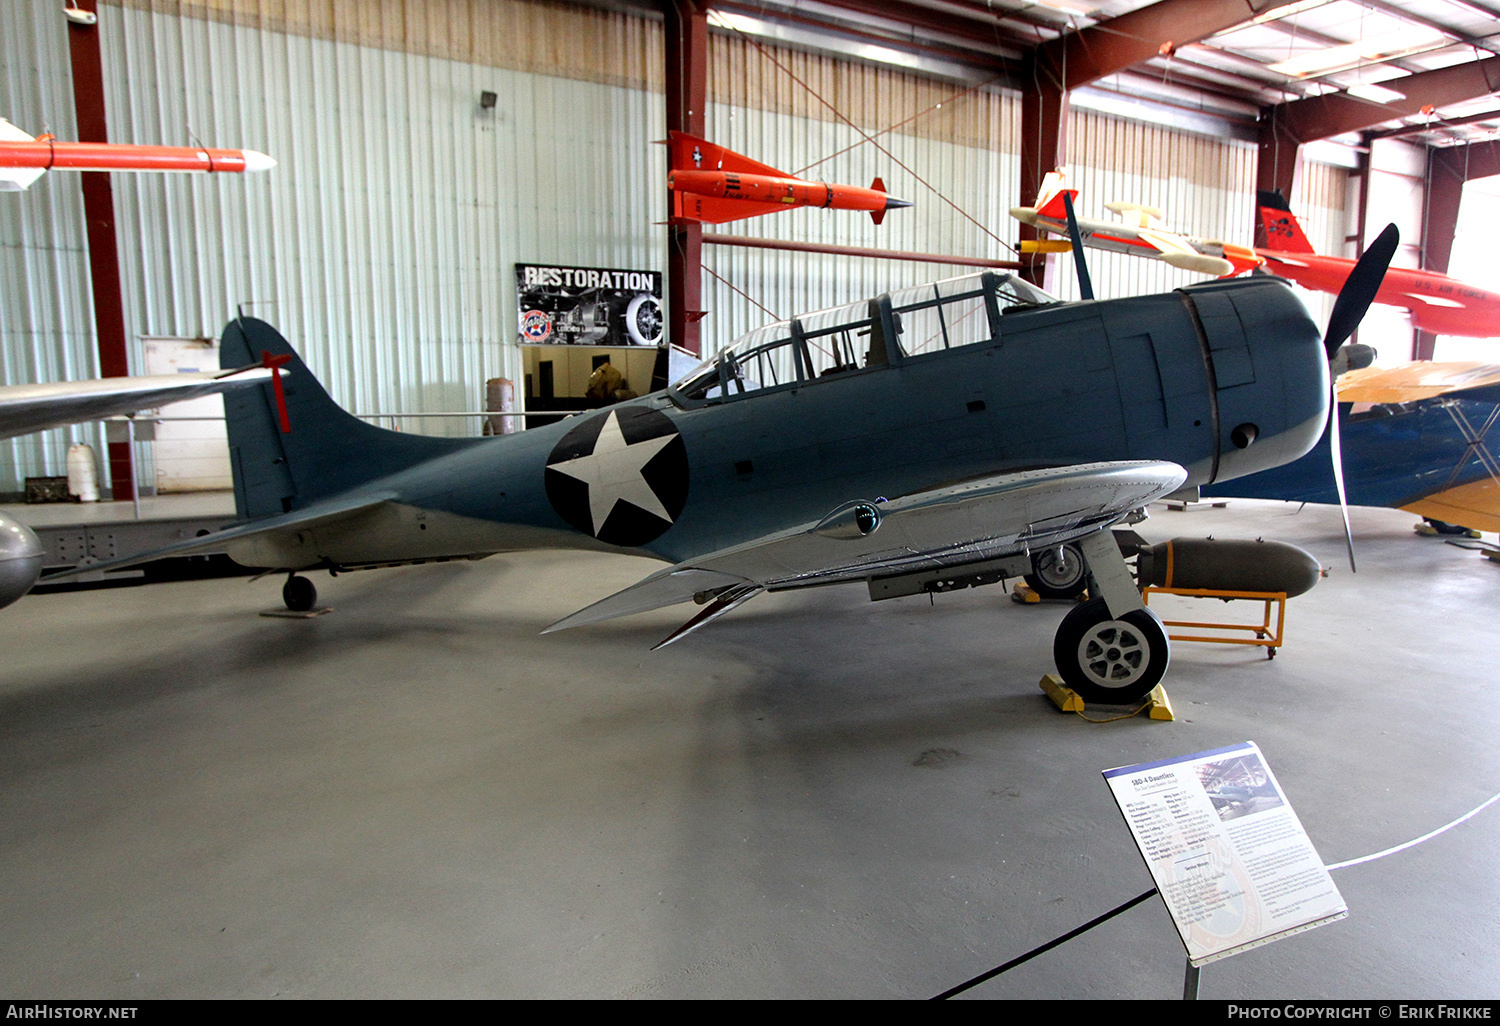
(1282,230)
(1049,202)
(328,451)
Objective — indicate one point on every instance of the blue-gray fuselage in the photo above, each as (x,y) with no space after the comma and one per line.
(889,398)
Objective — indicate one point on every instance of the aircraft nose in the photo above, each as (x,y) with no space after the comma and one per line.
(1273,410)
(891,203)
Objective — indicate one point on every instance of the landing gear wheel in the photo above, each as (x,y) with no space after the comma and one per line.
(1107,660)
(299,594)
(1054,579)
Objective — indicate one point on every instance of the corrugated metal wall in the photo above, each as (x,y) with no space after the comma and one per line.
(383,244)
(769,102)
(46,315)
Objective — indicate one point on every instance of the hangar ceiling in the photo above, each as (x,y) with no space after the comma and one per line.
(1235,59)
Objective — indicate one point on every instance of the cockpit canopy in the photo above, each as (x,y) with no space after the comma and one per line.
(900,325)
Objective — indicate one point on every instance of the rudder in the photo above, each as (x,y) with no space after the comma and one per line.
(328,450)
(1283,232)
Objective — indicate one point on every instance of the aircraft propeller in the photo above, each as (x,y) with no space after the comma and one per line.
(1085,285)
(1348,310)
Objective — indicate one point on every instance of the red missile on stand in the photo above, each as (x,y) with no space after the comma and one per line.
(24,159)
(715,185)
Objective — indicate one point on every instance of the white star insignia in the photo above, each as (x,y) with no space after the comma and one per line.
(613,472)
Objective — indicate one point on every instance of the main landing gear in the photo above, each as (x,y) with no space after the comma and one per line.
(1112,648)
(1059,572)
(299,593)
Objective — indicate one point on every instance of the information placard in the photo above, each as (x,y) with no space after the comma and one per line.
(588,306)
(1227,852)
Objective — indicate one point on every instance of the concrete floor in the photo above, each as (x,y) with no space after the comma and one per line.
(416,795)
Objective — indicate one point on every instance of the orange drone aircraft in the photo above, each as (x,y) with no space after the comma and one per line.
(24,159)
(715,185)
(1438,303)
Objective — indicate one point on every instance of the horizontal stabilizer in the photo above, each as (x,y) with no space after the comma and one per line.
(303,519)
(1144,214)
(28,408)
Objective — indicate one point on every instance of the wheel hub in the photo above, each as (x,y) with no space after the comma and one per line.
(1113,654)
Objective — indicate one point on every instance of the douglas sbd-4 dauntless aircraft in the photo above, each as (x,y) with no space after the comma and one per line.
(936,437)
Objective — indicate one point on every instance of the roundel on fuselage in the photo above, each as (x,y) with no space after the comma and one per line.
(621,476)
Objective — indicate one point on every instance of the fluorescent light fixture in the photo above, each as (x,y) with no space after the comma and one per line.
(1374,93)
(1350,55)
(1289,11)
(1069,6)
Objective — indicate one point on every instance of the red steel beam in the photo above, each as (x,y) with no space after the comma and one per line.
(686,27)
(1044,142)
(1078,58)
(983,31)
(1319,117)
(99,213)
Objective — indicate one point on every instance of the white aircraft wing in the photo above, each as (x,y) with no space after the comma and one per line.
(1176,250)
(1443,301)
(28,408)
(972,522)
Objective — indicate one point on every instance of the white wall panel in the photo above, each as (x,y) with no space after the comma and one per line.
(955,162)
(383,243)
(46,312)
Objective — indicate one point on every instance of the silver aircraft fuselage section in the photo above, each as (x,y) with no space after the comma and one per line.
(915,390)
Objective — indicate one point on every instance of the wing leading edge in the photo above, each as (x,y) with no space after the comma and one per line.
(28,408)
(966,523)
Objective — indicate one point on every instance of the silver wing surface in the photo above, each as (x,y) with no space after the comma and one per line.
(316,516)
(28,408)
(971,522)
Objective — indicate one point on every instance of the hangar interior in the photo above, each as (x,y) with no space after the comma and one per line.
(817,796)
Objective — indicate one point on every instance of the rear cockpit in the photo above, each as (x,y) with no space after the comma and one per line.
(906,324)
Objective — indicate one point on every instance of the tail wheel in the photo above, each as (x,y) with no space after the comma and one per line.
(1059,573)
(1111,660)
(299,594)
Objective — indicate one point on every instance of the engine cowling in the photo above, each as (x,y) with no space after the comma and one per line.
(21,555)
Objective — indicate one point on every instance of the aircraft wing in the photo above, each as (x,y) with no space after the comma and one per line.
(1442,301)
(970,522)
(28,408)
(1177,252)
(317,515)
(1423,379)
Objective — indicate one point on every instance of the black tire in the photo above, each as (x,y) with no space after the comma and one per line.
(299,594)
(1051,582)
(1108,660)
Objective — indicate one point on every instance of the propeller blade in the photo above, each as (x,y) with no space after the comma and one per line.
(1085,286)
(1360,288)
(1337,452)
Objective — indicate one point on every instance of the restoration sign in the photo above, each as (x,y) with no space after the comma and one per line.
(588,306)
(1228,854)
